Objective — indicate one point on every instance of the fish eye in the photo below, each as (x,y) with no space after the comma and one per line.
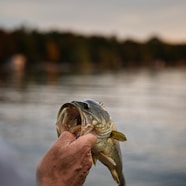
(86,106)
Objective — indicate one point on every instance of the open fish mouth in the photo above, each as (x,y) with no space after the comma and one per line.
(72,119)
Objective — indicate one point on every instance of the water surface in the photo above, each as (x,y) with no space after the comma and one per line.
(148,106)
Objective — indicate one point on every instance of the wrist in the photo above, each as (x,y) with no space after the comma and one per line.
(46,178)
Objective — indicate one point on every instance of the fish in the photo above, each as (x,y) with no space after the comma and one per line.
(83,117)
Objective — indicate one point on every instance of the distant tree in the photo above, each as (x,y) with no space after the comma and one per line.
(131,53)
(51,51)
(87,53)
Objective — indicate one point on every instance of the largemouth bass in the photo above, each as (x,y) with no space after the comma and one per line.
(91,117)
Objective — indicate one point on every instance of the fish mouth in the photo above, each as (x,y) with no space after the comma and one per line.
(72,119)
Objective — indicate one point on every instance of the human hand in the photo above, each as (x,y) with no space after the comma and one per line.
(67,162)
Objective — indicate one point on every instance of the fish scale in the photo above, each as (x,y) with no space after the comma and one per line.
(91,117)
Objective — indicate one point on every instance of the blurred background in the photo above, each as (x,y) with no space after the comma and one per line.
(131,55)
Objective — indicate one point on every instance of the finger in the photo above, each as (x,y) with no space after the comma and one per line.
(87,160)
(83,169)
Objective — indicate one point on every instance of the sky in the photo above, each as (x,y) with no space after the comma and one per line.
(135,19)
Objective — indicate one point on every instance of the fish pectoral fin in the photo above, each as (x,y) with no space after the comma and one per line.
(118,136)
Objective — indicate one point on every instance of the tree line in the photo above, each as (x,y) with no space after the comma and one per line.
(88,52)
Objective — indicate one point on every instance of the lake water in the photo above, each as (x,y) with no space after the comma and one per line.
(148,106)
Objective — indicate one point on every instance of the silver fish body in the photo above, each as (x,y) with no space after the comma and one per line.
(90,117)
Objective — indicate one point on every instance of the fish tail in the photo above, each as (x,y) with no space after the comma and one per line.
(122,181)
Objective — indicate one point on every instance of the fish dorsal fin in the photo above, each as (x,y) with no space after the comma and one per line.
(118,136)
(102,104)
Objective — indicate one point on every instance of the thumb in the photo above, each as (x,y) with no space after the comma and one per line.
(66,137)
(87,140)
